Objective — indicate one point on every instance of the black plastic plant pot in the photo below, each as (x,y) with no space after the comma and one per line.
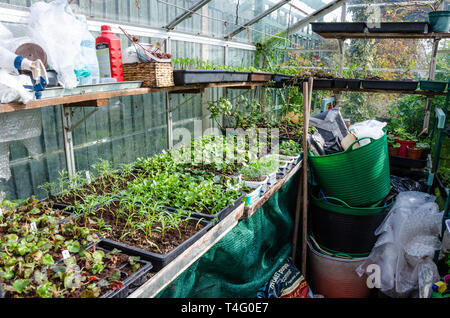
(433,86)
(185,77)
(346,229)
(406,162)
(159,261)
(218,216)
(399,27)
(323,83)
(390,85)
(353,83)
(338,27)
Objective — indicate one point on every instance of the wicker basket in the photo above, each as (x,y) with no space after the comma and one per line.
(153,74)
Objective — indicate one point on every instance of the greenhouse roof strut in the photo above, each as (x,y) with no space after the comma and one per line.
(315,16)
(186,14)
(258,18)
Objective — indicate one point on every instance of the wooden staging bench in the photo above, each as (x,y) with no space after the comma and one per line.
(101,99)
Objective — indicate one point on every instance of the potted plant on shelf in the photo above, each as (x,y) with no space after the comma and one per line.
(394,148)
(439,19)
(416,151)
(405,139)
(254,176)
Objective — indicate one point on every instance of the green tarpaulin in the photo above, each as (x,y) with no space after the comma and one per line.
(247,257)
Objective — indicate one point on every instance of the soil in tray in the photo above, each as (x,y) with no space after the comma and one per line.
(170,241)
(99,186)
(254,180)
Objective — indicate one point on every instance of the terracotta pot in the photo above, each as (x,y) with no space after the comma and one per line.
(336,277)
(393,151)
(403,151)
(414,153)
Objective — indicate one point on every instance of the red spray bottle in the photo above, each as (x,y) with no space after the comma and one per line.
(109,54)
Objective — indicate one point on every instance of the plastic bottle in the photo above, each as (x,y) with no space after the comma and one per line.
(87,69)
(109,54)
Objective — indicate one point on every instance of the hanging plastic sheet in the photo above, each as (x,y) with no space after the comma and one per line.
(55,28)
(18,126)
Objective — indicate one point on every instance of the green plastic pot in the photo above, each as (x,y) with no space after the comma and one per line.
(440,21)
(433,86)
(338,206)
(360,177)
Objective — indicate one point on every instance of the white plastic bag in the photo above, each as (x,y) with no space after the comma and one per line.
(54,27)
(11,88)
(5,34)
(370,128)
(404,251)
(86,66)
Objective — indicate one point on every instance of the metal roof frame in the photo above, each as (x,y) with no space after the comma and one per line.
(315,16)
(187,14)
(14,14)
(258,18)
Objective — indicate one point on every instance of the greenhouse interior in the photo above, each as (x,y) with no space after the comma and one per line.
(242,149)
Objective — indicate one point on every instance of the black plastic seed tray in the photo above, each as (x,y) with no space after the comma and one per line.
(132,282)
(280,78)
(323,83)
(218,216)
(232,76)
(185,77)
(399,27)
(338,27)
(159,261)
(129,283)
(390,85)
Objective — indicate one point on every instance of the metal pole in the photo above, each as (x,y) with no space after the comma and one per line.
(432,76)
(68,139)
(169,117)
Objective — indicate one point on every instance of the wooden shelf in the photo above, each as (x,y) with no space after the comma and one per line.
(100,99)
(339,35)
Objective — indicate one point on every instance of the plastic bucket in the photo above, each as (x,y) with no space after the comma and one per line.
(359,177)
(336,277)
(342,228)
(440,21)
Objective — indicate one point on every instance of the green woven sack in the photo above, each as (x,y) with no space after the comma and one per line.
(360,177)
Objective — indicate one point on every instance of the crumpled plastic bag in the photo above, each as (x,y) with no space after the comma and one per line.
(403,184)
(331,126)
(370,128)
(5,34)
(407,242)
(11,88)
(54,27)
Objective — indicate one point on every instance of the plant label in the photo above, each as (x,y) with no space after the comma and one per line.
(1,212)
(33,226)
(66,254)
(88,176)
